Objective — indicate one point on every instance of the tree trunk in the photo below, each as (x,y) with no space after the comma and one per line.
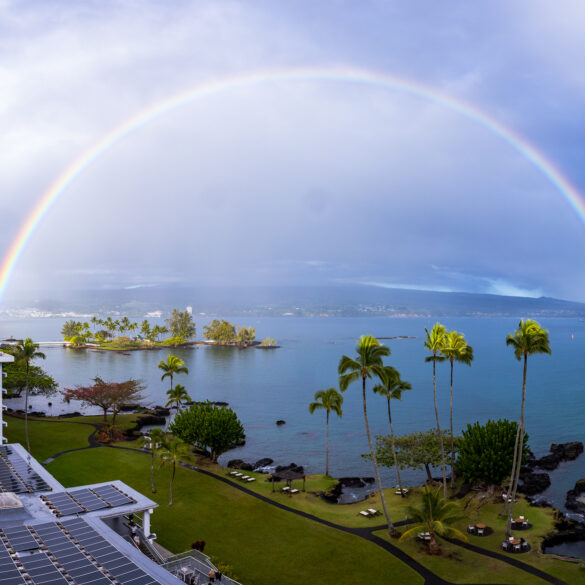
(429,475)
(394,449)
(452,437)
(391,530)
(105,414)
(506,505)
(434,547)
(439,429)
(519,451)
(26,411)
(171,485)
(327,446)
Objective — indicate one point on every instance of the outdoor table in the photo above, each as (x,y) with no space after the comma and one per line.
(481,526)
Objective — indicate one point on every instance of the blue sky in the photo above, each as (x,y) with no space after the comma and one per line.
(295,182)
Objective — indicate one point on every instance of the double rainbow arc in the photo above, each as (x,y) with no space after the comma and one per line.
(341,75)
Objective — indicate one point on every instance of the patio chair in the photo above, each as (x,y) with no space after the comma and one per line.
(517,547)
(480,531)
(471,529)
(505,545)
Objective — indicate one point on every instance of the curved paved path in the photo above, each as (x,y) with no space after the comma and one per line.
(366,533)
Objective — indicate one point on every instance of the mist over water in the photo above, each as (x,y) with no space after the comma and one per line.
(263,386)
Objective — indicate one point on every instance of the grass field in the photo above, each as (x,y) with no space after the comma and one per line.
(265,544)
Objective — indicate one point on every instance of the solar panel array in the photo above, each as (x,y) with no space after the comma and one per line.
(84,500)
(64,554)
(18,476)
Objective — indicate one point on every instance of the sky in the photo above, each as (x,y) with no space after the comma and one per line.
(312,181)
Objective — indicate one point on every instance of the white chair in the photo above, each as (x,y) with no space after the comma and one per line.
(372,511)
(295,491)
(251,479)
(480,531)
(364,513)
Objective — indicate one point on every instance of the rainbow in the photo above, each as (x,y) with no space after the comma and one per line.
(341,75)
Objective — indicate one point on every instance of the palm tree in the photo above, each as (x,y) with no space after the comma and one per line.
(26,351)
(528,339)
(434,343)
(368,362)
(330,400)
(177,396)
(172,366)
(392,387)
(455,349)
(434,516)
(171,451)
(154,439)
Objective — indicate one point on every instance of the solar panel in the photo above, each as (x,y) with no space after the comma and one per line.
(113,496)
(63,504)
(19,474)
(20,539)
(88,499)
(120,566)
(9,573)
(42,570)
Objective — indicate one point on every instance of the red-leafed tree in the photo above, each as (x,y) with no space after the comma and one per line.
(107,395)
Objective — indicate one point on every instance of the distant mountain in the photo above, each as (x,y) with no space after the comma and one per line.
(342,300)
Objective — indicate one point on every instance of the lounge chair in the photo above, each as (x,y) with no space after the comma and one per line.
(365,513)
(244,477)
(286,488)
(251,479)
(233,473)
(295,491)
(404,491)
(373,512)
(238,474)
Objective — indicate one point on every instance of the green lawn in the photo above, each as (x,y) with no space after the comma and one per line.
(263,544)
(47,438)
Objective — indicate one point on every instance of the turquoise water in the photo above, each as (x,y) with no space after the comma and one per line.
(264,386)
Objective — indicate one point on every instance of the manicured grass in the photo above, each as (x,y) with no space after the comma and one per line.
(264,545)
(47,438)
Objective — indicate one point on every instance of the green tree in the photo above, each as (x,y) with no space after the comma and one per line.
(214,429)
(366,364)
(268,342)
(486,452)
(172,366)
(392,387)
(17,379)
(414,451)
(529,339)
(245,335)
(25,352)
(171,451)
(71,329)
(455,349)
(434,343)
(220,331)
(181,324)
(434,515)
(145,329)
(329,400)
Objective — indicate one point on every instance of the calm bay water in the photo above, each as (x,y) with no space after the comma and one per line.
(263,386)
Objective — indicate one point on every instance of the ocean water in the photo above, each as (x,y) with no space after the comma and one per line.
(263,386)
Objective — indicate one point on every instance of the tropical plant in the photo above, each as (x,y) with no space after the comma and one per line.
(220,331)
(414,451)
(434,516)
(145,329)
(434,343)
(392,387)
(172,366)
(25,352)
(245,335)
(19,376)
(455,349)
(214,429)
(107,395)
(171,450)
(366,364)
(177,396)
(486,452)
(153,440)
(530,338)
(181,324)
(329,400)
(268,341)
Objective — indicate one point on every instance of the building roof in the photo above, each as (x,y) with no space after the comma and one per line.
(58,536)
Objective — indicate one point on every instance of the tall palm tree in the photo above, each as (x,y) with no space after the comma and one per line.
(434,516)
(434,343)
(154,440)
(530,338)
(455,349)
(26,351)
(171,451)
(392,387)
(330,400)
(366,364)
(172,366)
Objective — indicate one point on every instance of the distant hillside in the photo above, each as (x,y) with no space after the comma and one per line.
(302,301)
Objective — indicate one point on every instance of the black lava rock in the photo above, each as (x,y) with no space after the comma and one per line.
(280,422)
(263,462)
(534,483)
